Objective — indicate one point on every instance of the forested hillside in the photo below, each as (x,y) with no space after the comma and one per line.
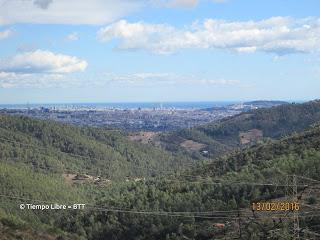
(64,148)
(22,185)
(193,203)
(295,154)
(190,206)
(179,207)
(246,129)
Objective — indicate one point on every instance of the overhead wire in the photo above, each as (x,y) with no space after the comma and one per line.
(214,215)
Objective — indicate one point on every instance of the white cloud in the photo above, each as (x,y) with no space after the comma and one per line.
(4,75)
(184,3)
(95,12)
(5,34)
(175,3)
(150,79)
(26,80)
(280,35)
(39,69)
(144,79)
(73,37)
(180,3)
(40,61)
(136,35)
(44,4)
(92,12)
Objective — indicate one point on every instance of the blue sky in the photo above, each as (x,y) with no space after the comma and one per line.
(54,51)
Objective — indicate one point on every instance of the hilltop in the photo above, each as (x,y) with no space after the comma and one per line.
(35,154)
(57,147)
(221,190)
(295,154)
(265,103)
(244,129)
(247,106)
(217,192)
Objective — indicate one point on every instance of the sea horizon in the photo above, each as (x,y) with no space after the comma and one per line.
(132,105)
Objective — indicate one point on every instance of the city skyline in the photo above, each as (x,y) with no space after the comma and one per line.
(53,51)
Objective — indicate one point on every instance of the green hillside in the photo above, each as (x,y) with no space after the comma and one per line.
(21,185)
(246,128)
(197,193)
(63,148)
(213,197)
(34,154)
(297,154)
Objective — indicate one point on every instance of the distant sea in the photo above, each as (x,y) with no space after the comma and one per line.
(122,105)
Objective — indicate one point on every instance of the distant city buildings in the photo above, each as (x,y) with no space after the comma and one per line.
(128,119)
(137,119)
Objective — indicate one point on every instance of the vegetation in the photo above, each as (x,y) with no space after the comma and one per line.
(298,154)
(21,185)
(223,136)
(208,201)
(62,148)
(289,154)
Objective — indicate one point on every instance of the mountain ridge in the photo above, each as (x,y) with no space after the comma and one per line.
(253,126)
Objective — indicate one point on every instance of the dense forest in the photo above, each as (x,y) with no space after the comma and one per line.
(212,197)
(255,126)
(63,148)
(145,192)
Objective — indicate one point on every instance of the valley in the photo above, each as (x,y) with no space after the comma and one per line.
(163,186)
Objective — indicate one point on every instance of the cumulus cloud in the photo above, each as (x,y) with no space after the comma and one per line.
(5,34)
(39,69)
(95,12)
(136,35)
(40,61)
(279,35)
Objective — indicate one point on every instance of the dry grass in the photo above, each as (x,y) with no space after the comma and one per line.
(192,145)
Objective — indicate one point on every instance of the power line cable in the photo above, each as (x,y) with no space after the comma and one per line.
(164,213)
